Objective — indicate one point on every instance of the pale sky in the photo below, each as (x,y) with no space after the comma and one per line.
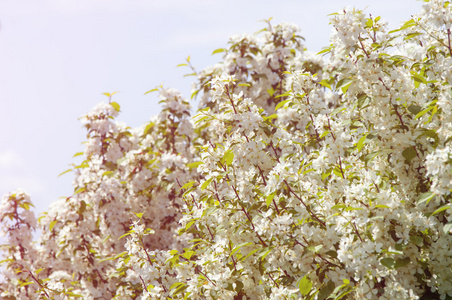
(57,57)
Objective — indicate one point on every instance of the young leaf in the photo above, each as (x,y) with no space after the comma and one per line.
(402,262)
(326,290)
(52,224)
(195,164)
(150,91)
(305,285)
(115,106)
(237,248)
(188,185)
(442,208)
(409,153)
(325,83)
(139,215)
(228,157)
(219,50)
(388,262)
(67,171)
(206,183)
(425,197)
(281,104)
(360,143)
(269,198)
(78,154)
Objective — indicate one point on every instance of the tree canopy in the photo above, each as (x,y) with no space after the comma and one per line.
(299,176)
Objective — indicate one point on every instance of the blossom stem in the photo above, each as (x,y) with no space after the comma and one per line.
(301,200)
(144,286)
(37,281)
(448,41)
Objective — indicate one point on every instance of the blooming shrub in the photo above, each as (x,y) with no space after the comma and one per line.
(300,176)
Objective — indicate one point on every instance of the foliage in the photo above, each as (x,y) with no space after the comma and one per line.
(313,176)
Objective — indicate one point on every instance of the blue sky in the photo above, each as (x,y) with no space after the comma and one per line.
(57,57)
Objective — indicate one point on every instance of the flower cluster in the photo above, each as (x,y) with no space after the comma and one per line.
(299,176)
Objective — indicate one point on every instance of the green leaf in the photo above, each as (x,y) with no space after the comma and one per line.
(423,112)
(345,87)
(269,198)
(326,50)
(219,50)
(78,154)
(148,128)
(202,119)
(82,189)
(281,104)
(52,224)
(307,171)
(195,164)
(194,94)
(150,91)
(206,183)
(381,206)
(425,197)
(411,35)
(107,173)
(288,93)
(337,110)
(190,224)
(406,25)
(442,208)
(324,134)
(82,207)
(326,290)
(228,157)
(175,286)
(417,240)
(402,262)
(363,101)
(188,185)
(339,206)
(109,94)
(237,248)
(409,153)
(264,252)
(126,234)
(239,286)
(270,91)
(244,84)
(369,157)
(305,285)
(249,254)
(39,270)
(325,83)
(188,254)
(210,210)
(315,249)
(414,109)
(67,171)
(353,208)
(26,283)
(139,215)
(418,78)
(115,106)
(388,262)
(360,143)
